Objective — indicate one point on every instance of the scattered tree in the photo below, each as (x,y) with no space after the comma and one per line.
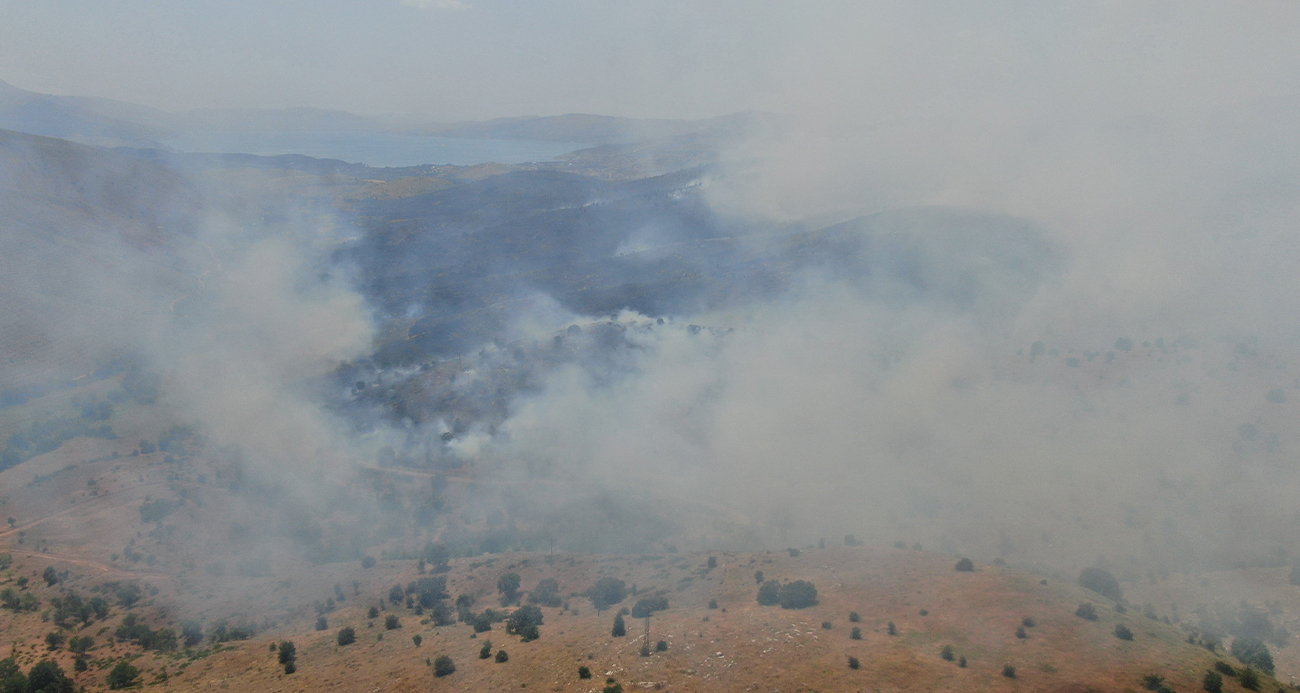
(502,656)
(758,577)
(547,593)
(288,656)
(1086,610)
(769,593)
(1008,671)
(1225,669)
(373,612)
(1028,622)
(965,565)
(661,646)
(1153,682)
(417,639)
(1020,633)
(1122,632)
(347,636)
(322,623)
(893,630)
(443,666)
(122,676)
(53,640)
(51,576)
(947,654)
(855,634)
(392,622)
(1249,679)
(485,651)
(962,662)
(1102,582)
(368,562)
(607,592)
(854,663)
(620,629)
(713,562)
(799,594)
(1212,682)
(584,672)
(508,587)
(827,625)
(713,603)
(854,617)
(1253,652)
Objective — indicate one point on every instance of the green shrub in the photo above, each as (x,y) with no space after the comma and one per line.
(1212,682)
(965,565)
(524,622)
(1225,669)
(322,623)
(485,651)
(892,629)
(1253,652)
(584,672)
(854,663)
(392,622)
(799,594)
(1249,679)
(502,656)
(1153,682)
(827,625)
(661,646)
(1008,671)
(607,592)
(1122,632)
(947,654)
(962,662)
(854,617)
(769,593)
(1028,622)
(620,628)
(1020,633)
(347,636)
(122,676)
(855,634)
(1086,610)
(443,666)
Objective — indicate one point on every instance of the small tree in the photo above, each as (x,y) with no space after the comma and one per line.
(373,612)
(1102,582)
(392,622)
(508,586)
(1249,679)
(443,666)
(368,562)
(347,636)
(288,656)
(769,593)
(854,663)
(854,617)
(322,623)
(1020,633)
(855,634)
(713,603)
(502,656)
(893,630)
(1253,652)
(417,639)
(584,672)
(607,592)
(1122,632)
(122,676)
(620,628)
(758,577)
(1153,682)
(1212,682)
(799,594)
(947,654)
(1295,574)
(965,565)
(962,662)
(661,646)
(51,576)
(1028,622)
(713,562)
(1008,671)
(485,651)
(1086,610)
(54,639)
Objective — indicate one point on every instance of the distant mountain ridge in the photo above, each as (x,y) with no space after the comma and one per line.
(107,122)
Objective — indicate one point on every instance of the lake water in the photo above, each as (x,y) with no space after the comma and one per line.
(373,148)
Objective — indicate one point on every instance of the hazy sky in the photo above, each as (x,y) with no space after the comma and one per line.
(677,58)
